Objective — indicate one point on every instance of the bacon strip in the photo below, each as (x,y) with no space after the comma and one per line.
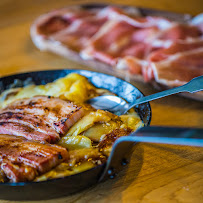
(22,160)
(39,118)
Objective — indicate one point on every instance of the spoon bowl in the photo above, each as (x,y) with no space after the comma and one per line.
(111,103)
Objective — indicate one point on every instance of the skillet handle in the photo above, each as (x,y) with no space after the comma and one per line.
(170,135)
(122,149)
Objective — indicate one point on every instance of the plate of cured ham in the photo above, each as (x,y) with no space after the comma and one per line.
(156,47)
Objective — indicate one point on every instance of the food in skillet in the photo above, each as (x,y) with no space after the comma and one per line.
(150,48)
(48,131)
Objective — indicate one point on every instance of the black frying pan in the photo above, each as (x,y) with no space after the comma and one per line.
(70,184)
(121,151)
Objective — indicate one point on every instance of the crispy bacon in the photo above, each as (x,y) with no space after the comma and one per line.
(18,172)
(22,160)
(35,125)
(110,138)
(106,144)
(39,118)
(17,129)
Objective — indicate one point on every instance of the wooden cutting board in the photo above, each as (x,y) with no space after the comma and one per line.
(156,173)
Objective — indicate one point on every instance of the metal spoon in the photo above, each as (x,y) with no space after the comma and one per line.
(119,106)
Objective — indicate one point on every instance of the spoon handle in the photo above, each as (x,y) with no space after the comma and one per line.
(194,85)
(122,148)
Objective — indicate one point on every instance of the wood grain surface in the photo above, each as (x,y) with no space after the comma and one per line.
(156,173)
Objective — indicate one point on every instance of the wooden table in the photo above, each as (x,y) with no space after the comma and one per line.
(156,173)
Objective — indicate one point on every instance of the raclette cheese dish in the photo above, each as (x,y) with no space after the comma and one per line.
(49,131)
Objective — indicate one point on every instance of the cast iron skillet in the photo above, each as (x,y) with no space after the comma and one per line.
(70,184)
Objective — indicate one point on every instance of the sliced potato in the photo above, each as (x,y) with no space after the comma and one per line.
(96,132)
(64,169)
(132,121)
(78,92)
(2,176)
(8,95)
(75,142)
(82,155)
(58,87)
(89,120)
(26,92)
(83,167)
(75,77)
(73,87)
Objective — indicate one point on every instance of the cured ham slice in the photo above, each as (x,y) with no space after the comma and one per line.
(120,38)
(180,32)
(58,20)
(70,27)
(21,160)
(77,35)
(175,51)
(133,18)
(131,64)
(39,118)
(175,48)
(179,69)
(74,30)
(117,40)
(176,33)
(107,43)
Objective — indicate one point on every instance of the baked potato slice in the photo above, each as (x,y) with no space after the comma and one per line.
(89,120)
(132,121)
(75,142)
(97,131)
